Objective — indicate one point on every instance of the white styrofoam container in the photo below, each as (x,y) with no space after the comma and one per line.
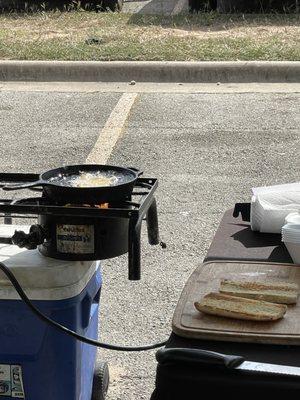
(293,218)
(269,209)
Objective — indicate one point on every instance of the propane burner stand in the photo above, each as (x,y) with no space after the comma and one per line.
(84,232)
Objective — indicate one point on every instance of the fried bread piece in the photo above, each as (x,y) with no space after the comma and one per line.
(240,308)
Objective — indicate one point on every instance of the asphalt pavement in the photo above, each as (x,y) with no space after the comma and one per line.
(206,149)
(40,130)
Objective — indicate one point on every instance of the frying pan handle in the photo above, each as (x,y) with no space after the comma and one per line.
(25,185)
(137,171)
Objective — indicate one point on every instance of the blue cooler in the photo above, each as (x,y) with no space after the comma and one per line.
(38,362)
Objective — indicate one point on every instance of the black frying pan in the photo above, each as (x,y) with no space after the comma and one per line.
(56,191)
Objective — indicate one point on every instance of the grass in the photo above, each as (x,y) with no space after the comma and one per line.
(64,36)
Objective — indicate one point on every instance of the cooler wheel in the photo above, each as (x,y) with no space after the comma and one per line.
(101,381)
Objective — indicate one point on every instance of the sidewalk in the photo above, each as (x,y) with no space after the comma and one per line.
(158,7)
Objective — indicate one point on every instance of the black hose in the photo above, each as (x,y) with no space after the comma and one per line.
(62,328)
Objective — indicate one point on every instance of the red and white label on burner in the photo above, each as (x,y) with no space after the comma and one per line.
(75,239)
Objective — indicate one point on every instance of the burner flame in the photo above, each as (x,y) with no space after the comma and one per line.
(102,206)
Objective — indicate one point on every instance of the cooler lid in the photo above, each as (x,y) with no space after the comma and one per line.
(42,278)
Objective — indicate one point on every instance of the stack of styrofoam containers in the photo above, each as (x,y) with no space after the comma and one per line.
(271,205)
(291,236)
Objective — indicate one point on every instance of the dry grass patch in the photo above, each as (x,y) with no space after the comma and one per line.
(57,35)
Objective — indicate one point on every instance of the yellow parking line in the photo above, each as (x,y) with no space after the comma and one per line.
(112,130)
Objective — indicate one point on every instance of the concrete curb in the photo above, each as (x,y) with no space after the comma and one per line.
(119,71)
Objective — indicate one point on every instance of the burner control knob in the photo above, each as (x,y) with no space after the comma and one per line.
(30,240)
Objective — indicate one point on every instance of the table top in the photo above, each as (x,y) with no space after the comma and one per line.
(234,240)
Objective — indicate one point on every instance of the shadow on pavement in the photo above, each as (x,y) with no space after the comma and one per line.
(165,7)
(212,21)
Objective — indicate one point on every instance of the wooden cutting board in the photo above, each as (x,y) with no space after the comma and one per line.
(188,322)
